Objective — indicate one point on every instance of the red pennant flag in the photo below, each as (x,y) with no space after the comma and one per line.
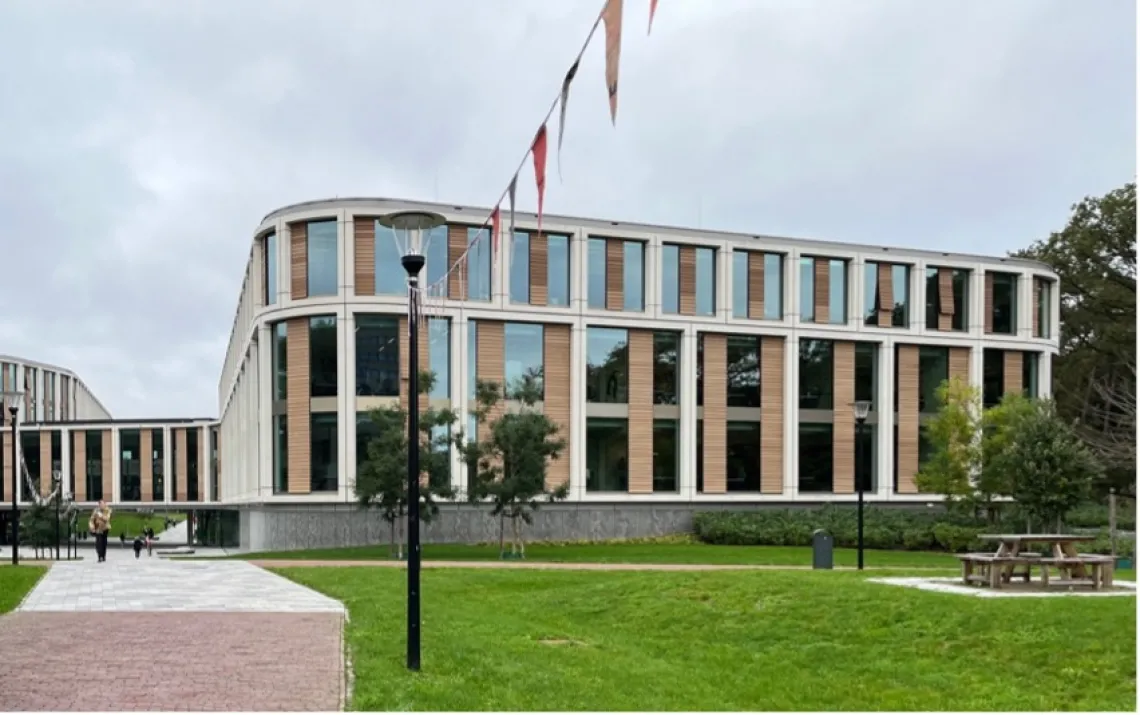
(538,149)
(652,9)
(494,233)
(611,16)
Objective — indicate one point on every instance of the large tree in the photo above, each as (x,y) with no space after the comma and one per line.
(1094,378)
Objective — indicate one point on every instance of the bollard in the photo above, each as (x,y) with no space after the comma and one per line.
(821,550)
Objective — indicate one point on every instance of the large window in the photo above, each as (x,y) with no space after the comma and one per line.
(607,455)
(817,378)
(269,259)
(807,290)
(596,267)
(706,281)
(1029,367)
(439,357)
(437,265)
(94,445)
(1044,307)
(837,291)
(322,258)
(280,361)
(671,278)
(323,452)
(633,275)
(959,283)
(158,471)
(30,451)
(280,454)
(740,284)
(130,459)
(742,457)
(773,286)
(377,356)
(391,278)
(866,456)
(478,264)
(993,376)
(666,455)
(867,372)
(816,467)
(322,356)
(1005,303)
(520,267)
(743,353)
(933,370)
(366,431)
(522,357)
(192,461)
(607,365)
(666,347)
(558,270)
(873,294)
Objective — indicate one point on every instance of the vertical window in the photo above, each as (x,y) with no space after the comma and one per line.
(867,372)
(269,249)
(870,293)
(633,270)
(607,454)
(279,360)
(837,291)
(743,371)
(816,447)
(322,258)
(933,370)
(158,472)
(666,453)
(377,356)
(742,456)
(959,281)
(740,284)
(390,273)
(478,264)
(192,460)
(558,270)
(280,454)
(30,453)
(933,301)
(1029,367)
(596,260)
(56,454)
(435,253)
(670,278)
(1005,303)
(214,463)
(94,444)
(323,452)
(130,476)
(807,290)
(900,287)
(961,284)
(773,286)
(665,349)
(520,267)
(1043,307)
(522,357)
(607,365)
(817,379)
(866,469)
(706,281)
(322,356)
(993,376)
(439,357)
(472,360)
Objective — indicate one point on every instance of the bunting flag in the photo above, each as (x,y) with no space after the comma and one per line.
(511,191)
(652,9)
(611,16)
(538,149)
(562,110)
(495,233)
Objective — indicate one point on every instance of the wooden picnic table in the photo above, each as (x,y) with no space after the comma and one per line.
(1063,548)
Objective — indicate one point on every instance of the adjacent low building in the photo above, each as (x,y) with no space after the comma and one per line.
(689,369)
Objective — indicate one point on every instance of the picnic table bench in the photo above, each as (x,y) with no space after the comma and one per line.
(1000,567)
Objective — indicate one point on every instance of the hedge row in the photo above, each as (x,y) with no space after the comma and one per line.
(889,529)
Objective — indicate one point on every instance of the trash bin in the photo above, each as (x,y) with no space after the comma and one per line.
(822,548)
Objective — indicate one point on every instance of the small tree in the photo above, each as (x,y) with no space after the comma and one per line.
(382,478)
(1051,469)
(508,465)
(953,435)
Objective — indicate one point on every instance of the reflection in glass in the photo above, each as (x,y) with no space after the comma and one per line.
(520,267)
(993,376)
(817,379)
(391,278)
(773,286)
(670,278)
(130,460)
(900,286)
(1005,303)
(666,455)
(871,293)
(435,251)
(666,346)
(472,359)
(933,299)
(706,281)
(837,291)
(30,452)
(192,476)
(439,356)
(558,270)
(280,361)
(366,431)
(158,480)
(816,465)
(743,355)
(478,264)
(867,372)
(740,284)
(807,290)
(1044,307)
(742,457)
(607,365)
(1029,363)
(607,455)
(324,476)
(322,356)
(94,443)
(933,370)
(522,357)
(596,266)
(322,272)
(633,269)
(280,454)
(377,356)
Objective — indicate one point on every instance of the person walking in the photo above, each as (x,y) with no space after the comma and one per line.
(100,525)
(149,540)
(137,544)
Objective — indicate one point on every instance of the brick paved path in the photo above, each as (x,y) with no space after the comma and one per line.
(162,635)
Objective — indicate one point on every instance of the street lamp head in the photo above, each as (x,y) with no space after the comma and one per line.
(12,400)
(862,409)
(409,227)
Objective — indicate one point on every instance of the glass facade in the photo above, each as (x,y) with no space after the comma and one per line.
(558,270)
(596,267)
(633,275)
(867,373)
(666,455)
(993,376)
(816,455)
(933,370)
(93,441)
(439,357)
(873,298)
(807,290)
(706,281)
(960,283)
(391,278)
(666,388)
(607,365)
(377,355)
(435,251)
(742,457)
(743,371)
(607,454)
(773,286)
(130,461)
(30,453)
(522,357)
(280,454)
(193,461)
(739,284)
(158,470)
(837,291)
(279,360)
(520,267)
(671,278)
(323,452)
(817,375)
(478,264)
(322,356)
(270,257)
(1044,308)
(1029,366)
(322,273)
(1005,303)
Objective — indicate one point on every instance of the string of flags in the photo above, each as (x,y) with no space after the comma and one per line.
(610,18)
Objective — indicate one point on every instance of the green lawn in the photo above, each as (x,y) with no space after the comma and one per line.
(132,523)
(15,582)
(773,640)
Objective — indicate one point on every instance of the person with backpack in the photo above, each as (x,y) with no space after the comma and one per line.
(100,525)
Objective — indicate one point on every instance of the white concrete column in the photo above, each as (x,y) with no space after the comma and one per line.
(284,265)
(1025,305)
(167,464)
(885,411)
(116,466)
(723,278)
(501,268)
(792,291)
(579,271)
(854,285)
(577,411)
(345,406)
(791,415)
(977,365)
(977,302)
(65,459)
(916,304)
(205,468)
(346,244)
(652,277)
(687,379)
(1044,374)
(259,479)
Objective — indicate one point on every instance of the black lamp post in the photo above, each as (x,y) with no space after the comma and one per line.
(862,409)
(412,225)
(57,485)
(12,402)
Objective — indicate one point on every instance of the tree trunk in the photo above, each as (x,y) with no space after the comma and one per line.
(400,543)
(391,538)
(517,542)
(1112,521)
(502,525)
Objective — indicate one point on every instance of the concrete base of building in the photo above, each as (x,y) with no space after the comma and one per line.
(267,527)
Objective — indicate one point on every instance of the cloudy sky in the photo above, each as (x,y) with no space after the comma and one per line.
(142,142)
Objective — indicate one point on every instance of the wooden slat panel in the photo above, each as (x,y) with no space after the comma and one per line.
(886,295)
(989,305)
(456,245)
(538,288)
(771,415)
(556,401)
(615,274)
(108,466)
(1036,302)
(146,465)
(364,255)
(960,363)
(79,450)
(640,412)
(6,466)
(715,413)
(298,261)
(45,463)
(296,407)
(822,292)
(687,279)
(908,418)
(489,359)
(843,426)
(181,462)
(946,291)
(755,285)
(1014,360)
